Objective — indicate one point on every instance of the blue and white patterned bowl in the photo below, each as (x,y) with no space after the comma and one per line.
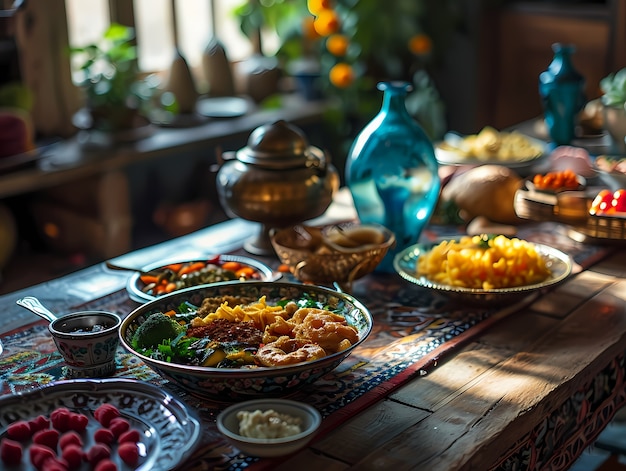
(235,384)
(88,341)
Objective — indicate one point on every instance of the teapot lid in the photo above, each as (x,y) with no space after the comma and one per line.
(278,145)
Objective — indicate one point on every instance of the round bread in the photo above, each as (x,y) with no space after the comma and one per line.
(488,191)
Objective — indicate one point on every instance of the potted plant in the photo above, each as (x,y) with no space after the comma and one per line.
(613,100)
(115,95)
(335,41)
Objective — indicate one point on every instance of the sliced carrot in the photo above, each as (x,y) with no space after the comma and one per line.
(195,266)
(170,313)
(283,268)
(147,279)
(231,266)
(170,287)
(175,267)
(245,271)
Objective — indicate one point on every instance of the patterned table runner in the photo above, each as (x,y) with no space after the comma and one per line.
(413,328)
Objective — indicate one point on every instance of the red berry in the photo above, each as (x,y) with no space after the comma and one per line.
(70,438)
(129,453)
(105,413)
(118,426)
(54,464)
(78,422)
(131,435)
(39,454)
(39,423)
(104,435)
(19,430)
(60,419)
(73,454)
(48,437)
(97,453)
(106,465)
(11,452)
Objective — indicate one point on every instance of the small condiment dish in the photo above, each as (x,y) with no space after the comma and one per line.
(310,419)
(88,341)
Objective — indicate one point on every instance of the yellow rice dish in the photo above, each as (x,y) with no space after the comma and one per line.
(483,262)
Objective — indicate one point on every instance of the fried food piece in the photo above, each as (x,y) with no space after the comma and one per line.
(288,351)
(330,331)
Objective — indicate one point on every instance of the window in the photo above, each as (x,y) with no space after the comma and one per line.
(161,26)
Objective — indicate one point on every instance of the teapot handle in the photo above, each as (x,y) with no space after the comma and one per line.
(318,158)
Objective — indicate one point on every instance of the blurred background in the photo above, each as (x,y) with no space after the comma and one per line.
(81,182)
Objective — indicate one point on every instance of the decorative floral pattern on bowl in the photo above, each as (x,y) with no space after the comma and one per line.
(88,341)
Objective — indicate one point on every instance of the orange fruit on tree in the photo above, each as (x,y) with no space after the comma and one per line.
(316,6)
(341,75)
(327,22)
(337,44)
(420,44)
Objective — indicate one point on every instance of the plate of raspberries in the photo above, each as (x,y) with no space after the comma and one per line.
(99,424)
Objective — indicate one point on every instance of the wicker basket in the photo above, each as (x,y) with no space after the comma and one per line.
(328,266)
(571,208)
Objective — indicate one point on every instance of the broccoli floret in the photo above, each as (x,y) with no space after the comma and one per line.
(154,330)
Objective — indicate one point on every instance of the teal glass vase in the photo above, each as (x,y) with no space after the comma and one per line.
(562,92)
(392,172)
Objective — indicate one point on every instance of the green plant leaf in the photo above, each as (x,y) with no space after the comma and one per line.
(614,88)
(119,33)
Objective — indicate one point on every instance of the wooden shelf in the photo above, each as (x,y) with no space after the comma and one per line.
(69,160)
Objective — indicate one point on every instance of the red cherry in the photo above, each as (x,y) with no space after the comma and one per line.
(618,202)
(602,202)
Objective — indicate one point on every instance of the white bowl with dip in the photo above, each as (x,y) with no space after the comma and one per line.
(287,413)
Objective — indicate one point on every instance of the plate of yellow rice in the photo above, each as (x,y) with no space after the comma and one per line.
(484,269)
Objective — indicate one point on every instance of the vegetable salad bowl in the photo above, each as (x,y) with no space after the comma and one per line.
(228,384)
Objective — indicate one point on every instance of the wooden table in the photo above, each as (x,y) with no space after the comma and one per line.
(537,387)
(512,390)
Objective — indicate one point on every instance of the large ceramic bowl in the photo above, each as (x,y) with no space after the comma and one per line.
(228,384)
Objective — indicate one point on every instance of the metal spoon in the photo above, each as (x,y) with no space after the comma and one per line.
(113,266)
(34,305)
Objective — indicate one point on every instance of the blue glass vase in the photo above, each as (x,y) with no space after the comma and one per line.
(392,172)
(562,92)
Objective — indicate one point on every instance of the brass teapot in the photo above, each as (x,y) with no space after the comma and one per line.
(277,179)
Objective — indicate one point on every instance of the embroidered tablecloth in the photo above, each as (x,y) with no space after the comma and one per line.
(413,329)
